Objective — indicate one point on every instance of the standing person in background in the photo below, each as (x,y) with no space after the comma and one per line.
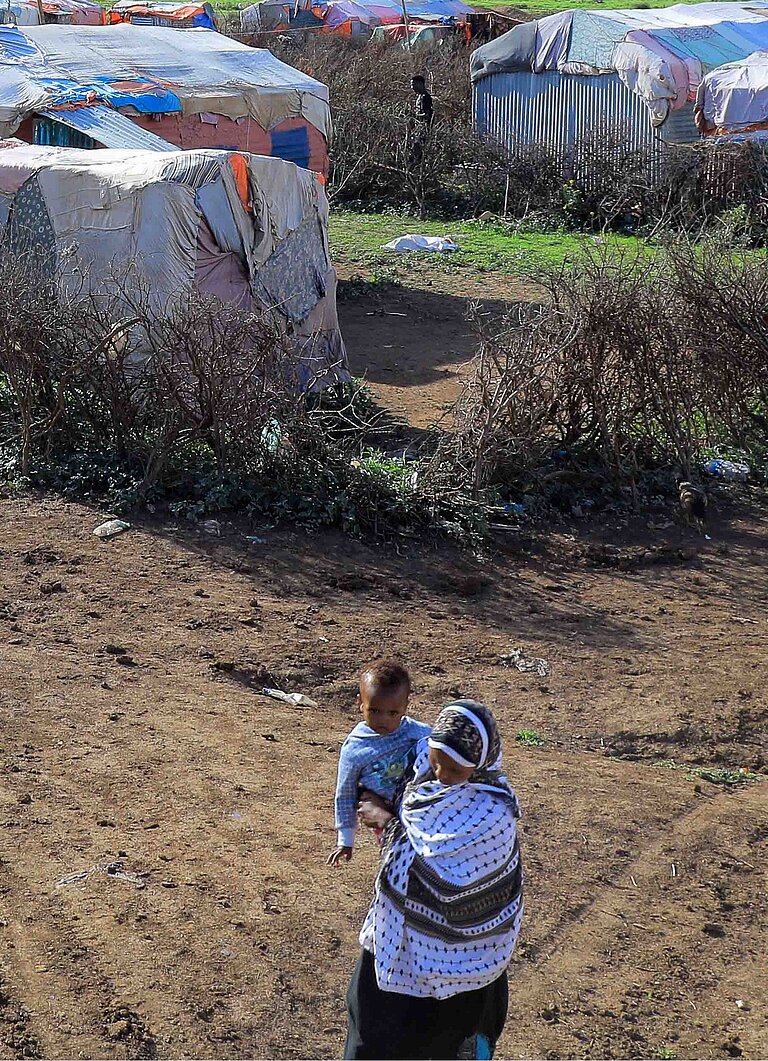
(419,125)
(447,905)
(423,104)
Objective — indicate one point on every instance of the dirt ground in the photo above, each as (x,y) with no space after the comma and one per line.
(411,343)
(163,891)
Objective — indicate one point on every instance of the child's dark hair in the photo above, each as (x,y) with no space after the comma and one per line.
(386,675)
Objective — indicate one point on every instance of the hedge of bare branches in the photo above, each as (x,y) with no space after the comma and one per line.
(633,365)
(143,388)
(379,154)
(196,403)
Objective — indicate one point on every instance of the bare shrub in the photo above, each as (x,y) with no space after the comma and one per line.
(623,371)
(106,398)
(724,288)
(379,152)
(108,372)
(601,183)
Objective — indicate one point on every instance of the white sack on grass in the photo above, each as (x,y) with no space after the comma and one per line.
(422,243)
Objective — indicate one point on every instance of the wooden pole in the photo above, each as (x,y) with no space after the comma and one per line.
(40,12)
(405,20)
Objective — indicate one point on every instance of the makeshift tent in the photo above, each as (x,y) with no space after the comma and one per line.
(162,227)
(192,87)
(273,16)
(72,12)
(733,99)
(550,80)
(347,17)
(163,13)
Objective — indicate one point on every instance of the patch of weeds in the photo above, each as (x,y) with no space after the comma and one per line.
(716,775)
(359,286)
(529,737)
(663,1053)
(368,495)
(724,775)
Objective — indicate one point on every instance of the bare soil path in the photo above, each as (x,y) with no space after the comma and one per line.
(646,927)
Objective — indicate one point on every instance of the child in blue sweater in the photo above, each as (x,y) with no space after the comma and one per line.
(379,749)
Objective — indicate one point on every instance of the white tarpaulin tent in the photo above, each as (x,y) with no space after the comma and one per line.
(734,97)
(194,88)
(171,226)
(189,70)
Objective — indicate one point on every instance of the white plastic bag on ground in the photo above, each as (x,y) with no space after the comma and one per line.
(294,699)
(111,529)
(422,243)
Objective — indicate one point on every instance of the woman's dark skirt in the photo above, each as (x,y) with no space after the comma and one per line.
(386,1025)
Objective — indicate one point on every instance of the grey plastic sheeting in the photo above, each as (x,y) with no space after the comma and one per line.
(554,110)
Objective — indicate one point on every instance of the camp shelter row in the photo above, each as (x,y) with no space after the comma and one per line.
(347,18)
(91,13)
(665,76)
(126,86)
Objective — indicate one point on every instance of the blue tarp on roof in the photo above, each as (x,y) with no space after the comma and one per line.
(710,33)
(715,45)
(14,45)
(152,72)
(443,9)
(147,99)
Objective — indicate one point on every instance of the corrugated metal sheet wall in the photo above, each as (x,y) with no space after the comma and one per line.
(558,110)
(53,134)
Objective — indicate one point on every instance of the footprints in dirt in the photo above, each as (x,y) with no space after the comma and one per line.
(57,985)
(639,968)
(16,1038)
(123,1025)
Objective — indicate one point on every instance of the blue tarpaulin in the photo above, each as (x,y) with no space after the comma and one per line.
(714,45)
(147,98)
(293,146)
(14,45)
(152,72)
(51,133)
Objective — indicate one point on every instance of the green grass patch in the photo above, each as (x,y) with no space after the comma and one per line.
(529,737)
(537,8)
(485,247)
(716,775)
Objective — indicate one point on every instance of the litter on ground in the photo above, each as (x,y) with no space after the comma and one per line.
(294,699)
(437,244)
(110,869)
(527,664)
(111,529)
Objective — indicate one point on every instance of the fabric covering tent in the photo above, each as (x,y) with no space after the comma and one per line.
(734,98)
(192,87)
(74,12)
(660,55)
(249,230)
(164,13)
(348,17)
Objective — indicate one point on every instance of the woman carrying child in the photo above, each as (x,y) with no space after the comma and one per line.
(447,905)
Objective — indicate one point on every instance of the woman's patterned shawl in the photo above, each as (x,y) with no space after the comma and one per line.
(448,902)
